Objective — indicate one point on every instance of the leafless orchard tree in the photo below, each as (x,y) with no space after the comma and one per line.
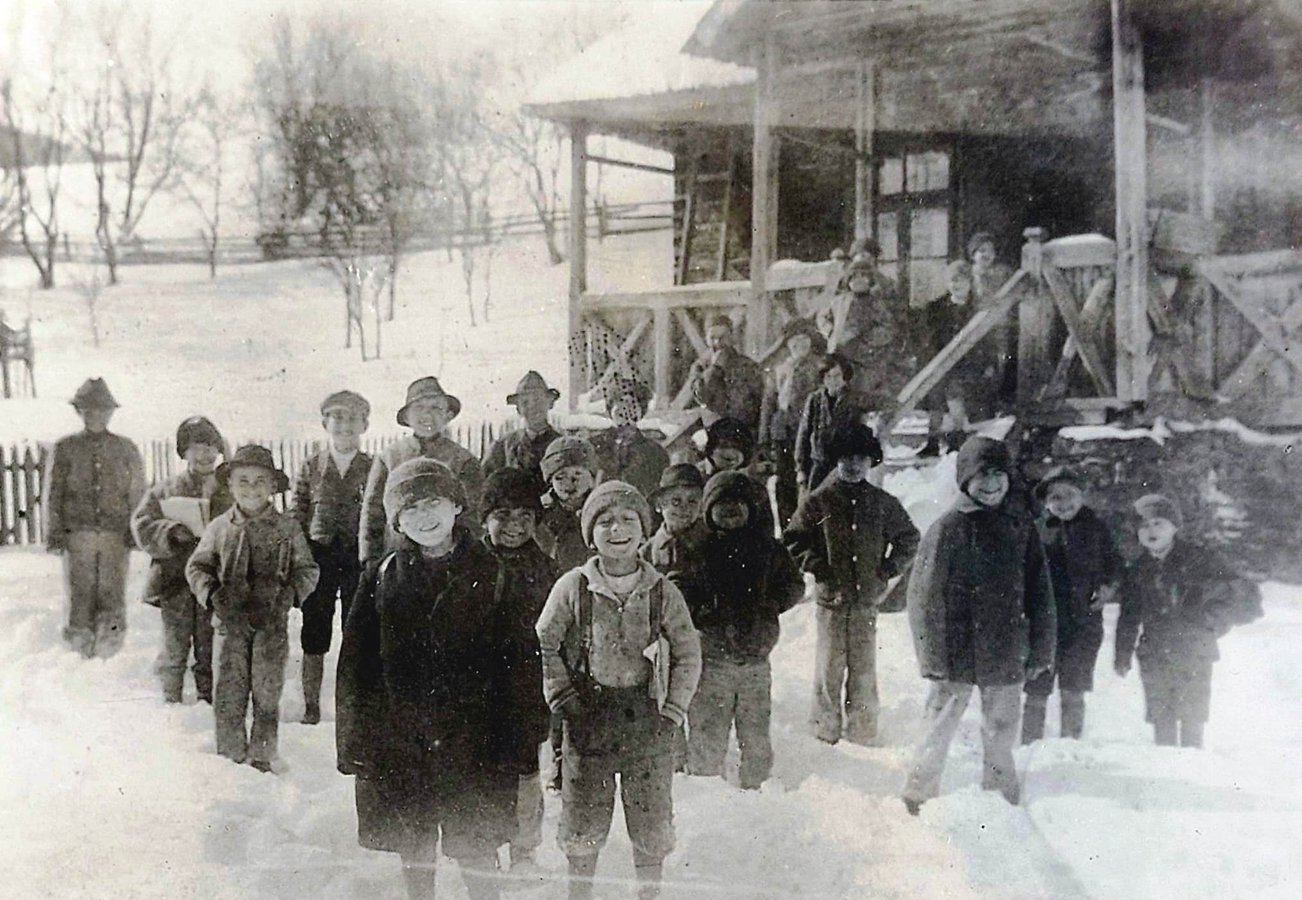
(130,120)
(201,167)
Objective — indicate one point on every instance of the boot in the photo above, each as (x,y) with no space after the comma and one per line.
(1033,718)
(419,877)
(581,870)
(648,880)
(313,672)
(1073,714)
(1191,734)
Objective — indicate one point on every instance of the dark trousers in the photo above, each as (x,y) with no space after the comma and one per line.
(788,492)
(187,624)
(340,571)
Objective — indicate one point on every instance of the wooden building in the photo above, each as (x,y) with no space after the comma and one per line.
(1137,160)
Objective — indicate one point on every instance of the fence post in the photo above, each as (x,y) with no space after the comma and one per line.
(5,497)
(32,486)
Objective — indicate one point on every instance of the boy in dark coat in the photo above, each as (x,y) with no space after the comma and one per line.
(328,507)
(624,453)
(427,412)
(748,581)
(569,467)
(853,537)
(187,622)
(1084,567)
(525,447)
(621,661)
(794,379)
(430,714)
(511,508)
(826,409)
(1177,600)
(982,613)
(252,564)
(93,482)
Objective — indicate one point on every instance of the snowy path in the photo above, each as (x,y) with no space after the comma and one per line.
(108,793)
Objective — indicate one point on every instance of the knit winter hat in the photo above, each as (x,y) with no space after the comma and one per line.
(799,326)
(676,476)
(568,451)
(1064,474)
(854,439)
(93,394)
(197,430)
(979,453)
(532,383)
(420,479)
(511,488)
(346,400)
(1159,506)
(256,456)
(731,485)
(731,433)
(608,495)
(428,388)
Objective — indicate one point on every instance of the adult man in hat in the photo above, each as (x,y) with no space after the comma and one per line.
(867,324)
(524,448)
(727,383)
(93,482)
(427,412)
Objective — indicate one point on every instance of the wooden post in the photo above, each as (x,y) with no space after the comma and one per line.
(663,340)
(1207,149)
(764,198)
(1034,322)
(578,254)
(864,128)
(1131,163)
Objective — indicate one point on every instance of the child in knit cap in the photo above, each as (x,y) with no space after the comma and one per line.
(1177,599)
(569,467)
(982,614)
(620,664)
(1084,567)
(511,509)
(187,622)
(252,564)
(328,507)
(430,712)
(748,581)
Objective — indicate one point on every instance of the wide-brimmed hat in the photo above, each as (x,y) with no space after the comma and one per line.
(94,394)
(428,388)
(347,400)
(197,430)
(676,476)
(532,383)
(799,326)
(253,455)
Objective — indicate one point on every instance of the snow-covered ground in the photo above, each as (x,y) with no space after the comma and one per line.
(107,792)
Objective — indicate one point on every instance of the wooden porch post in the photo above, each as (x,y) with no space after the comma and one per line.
(1131,162)
(865,126)
(764,198)
(578,255)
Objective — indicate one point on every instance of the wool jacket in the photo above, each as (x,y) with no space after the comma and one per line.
(327,502)
(431,669)
(749,581)
(621,631)
(731,386)
(375,536)
(1082,558)
(819,419)
(93,483)
(168,542)
(560,534)
(793,382)
(1177,607)
(980,601)
(629,455)
(852,537)
(520,450)
(251,569)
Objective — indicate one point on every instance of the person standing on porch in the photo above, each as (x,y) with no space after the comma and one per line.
(525,447)
(726,382)
(794,379)
(94,481)
(988,276)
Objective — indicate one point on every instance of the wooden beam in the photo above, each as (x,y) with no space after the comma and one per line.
(1079,335)
(626,347)
(864,163)
(1091,318)
(1034,321)
(1130,136)
(1271,328)
(628,164)
(764,196)
(1207,159)
(689,213)
(693,333)
(578,251)
(721,261)
(664,350)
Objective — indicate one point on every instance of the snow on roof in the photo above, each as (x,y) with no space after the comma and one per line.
(645,57)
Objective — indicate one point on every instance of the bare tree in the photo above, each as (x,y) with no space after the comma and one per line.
(37,146)
(131,124)
(201,168)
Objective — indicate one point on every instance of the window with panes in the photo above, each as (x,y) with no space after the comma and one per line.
(913,210)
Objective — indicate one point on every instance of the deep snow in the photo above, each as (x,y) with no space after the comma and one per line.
(107,792)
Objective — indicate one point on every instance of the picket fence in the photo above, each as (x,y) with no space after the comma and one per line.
(22,471)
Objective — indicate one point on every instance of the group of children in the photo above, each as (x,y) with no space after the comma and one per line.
(463,595)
